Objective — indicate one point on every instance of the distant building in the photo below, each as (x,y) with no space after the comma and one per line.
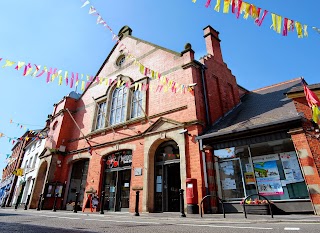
(29,165)
(9,180)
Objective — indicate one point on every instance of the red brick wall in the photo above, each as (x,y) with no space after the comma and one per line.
(222,94)
(308,148)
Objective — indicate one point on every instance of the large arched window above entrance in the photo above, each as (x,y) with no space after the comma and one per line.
(167,151)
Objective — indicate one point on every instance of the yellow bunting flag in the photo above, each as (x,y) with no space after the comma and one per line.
(299,29)
(82,85)
(315,113)
(246,8)
(276,22)
(217,7)
(60,80)
(135,86)
(226,6)
(194,1)
(8,63)
(254,12)
(119,83)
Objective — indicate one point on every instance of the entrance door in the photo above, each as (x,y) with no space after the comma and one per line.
(78,181)
(168,183)
(117,190)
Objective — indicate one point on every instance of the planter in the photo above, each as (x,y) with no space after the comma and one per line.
(262,209)
(69,207)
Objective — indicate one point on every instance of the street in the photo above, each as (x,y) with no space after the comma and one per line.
(67,222)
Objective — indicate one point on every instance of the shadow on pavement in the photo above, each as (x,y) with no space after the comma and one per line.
(28,228)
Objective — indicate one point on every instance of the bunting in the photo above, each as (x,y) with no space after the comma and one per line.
(313,102)
(142,69)
(249,9)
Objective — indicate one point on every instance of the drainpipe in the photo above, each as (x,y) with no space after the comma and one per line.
(203,67)
(204,164)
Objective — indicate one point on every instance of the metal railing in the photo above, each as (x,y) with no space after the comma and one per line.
(244,204)
(218,198)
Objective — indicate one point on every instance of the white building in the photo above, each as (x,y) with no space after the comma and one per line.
(30,166)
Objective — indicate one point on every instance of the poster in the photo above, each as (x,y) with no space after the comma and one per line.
(291,167)
(249,178)
(267,187)
(228,184)
(227,168)
(249,167)
(267,175)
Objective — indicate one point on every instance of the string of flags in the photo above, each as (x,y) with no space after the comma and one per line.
(34,136)
(313,102)
(165,83)
(280,24)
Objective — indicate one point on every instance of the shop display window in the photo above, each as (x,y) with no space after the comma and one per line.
(270,169)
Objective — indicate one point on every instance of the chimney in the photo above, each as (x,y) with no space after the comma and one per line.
(211,37)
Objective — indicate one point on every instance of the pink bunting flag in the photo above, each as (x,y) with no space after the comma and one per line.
(239,8)
(285,27)
(262,18)
(208,3)
(49,75)
(72,79)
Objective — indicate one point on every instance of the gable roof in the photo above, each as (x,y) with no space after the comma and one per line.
(263,107)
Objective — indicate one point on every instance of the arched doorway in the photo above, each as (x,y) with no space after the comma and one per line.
(78,180)
(39,185)
(116,180)
(167,177)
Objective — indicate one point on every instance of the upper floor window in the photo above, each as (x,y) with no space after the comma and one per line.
(118,105)
(121,59)
(101,119)
(136,108)
(34,160)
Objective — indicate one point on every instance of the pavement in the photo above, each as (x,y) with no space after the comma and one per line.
(229,217)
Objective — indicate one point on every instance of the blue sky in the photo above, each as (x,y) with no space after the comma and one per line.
(62,35)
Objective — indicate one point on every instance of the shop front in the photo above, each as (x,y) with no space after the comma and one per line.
(116,181)
(270,169)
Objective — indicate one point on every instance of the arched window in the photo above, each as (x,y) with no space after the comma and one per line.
(118,105)
(136,109)
(101,115)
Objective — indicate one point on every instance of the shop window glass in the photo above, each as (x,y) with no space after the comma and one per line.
(277,170)
(271,169)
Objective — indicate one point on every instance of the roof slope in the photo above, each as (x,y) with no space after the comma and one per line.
(259,108)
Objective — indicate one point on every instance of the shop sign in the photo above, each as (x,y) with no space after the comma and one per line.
(119,159)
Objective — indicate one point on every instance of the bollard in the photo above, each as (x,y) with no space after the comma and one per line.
(75,210)
(137,204)
(55,203)
(39,202)
(182,214)
(102,202)
(27,203)
(16,205)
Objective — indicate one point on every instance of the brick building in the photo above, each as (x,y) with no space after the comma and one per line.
(119,139)
(9,181)
(268,145)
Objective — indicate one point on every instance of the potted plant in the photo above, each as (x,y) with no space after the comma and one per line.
(256,206)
